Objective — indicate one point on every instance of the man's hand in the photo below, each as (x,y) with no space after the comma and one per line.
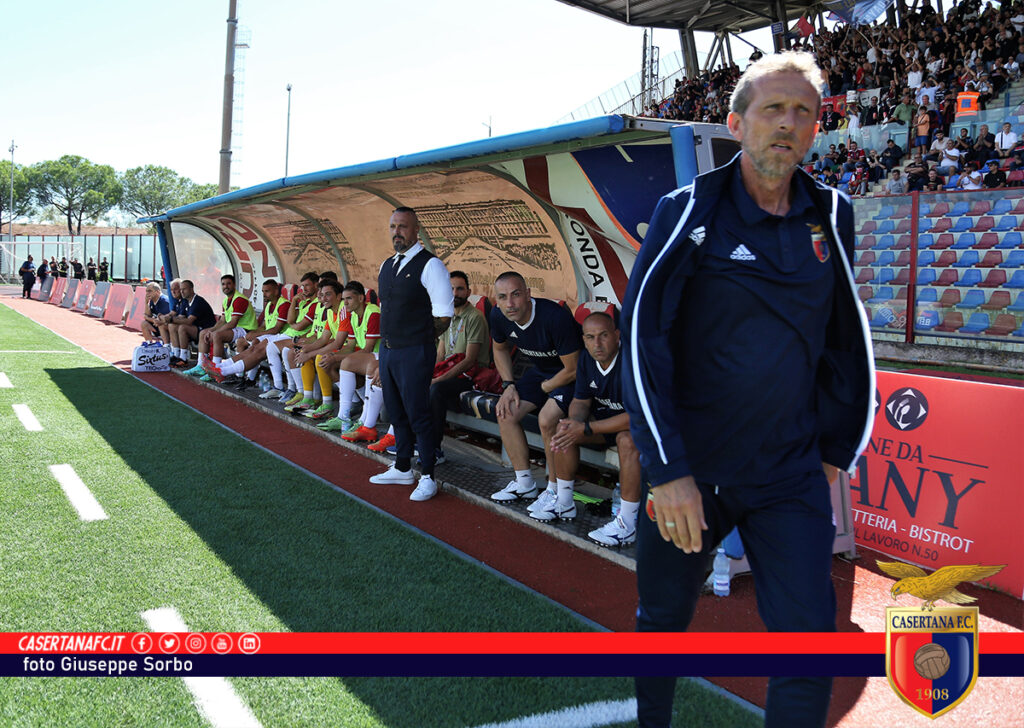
(680,513)
(508,403)
(831,473)
(569,433)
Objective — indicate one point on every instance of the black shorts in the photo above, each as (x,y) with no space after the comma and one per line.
(528,387)
(604,414)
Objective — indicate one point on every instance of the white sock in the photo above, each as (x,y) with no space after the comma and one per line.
(230,366)
(525,477)
(553,487)
(374,401)
(391,430)
(274,359)
(565,491)
(307,394)
(217,360)
(251,374)
(346,388)
(202,358)
(628,511)
(296,376)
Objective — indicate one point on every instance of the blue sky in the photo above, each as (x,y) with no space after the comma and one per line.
(131,83)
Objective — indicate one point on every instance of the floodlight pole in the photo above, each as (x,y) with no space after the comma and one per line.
(224,183)
(10,230)
(288,129)
(488,123)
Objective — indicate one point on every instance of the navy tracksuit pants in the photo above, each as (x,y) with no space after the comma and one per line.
(405,376)
(787,531)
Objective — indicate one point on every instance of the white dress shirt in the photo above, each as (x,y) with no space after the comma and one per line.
(434,278)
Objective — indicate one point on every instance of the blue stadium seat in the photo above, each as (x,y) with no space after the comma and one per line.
(1006,223)
(962,225)
(889,258)
(1002,207)
(885,213)
(924,224)
(883,318)
(886,226)
(883,294)
(1019,332)
(968,259)
(925,241)
(925,276)
(1017,281)
(964,240)
(925,257)
(951,184)
(977,324)
(971,278)
(1018,305)
(973,299)
(885,242)
(1009,241)
(928,295)
(1015,260)
(926,320)
(887,274)
(959,209)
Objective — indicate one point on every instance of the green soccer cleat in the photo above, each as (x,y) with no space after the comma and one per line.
(324,410)
(301,405)
(205,378)
(336,424)
(195,371)
(296,398)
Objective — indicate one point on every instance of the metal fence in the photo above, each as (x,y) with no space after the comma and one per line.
(131,257)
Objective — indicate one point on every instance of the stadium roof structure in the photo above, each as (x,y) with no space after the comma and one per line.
(734,16)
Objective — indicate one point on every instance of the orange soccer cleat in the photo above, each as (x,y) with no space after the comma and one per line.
(383,444)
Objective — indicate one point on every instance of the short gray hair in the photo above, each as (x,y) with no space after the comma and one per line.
(154,286)
(786,62)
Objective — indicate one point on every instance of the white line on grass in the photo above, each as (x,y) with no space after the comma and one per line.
(27,418)
(80,496)
(591,715)
(215,699)
(36,351)
(5,383)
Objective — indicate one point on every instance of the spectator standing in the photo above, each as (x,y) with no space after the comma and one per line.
(79,268)
(922,125)
(42,272)
(829,119)
(28,277)
(90,270)
(416,307)
(1005,140)
(104,270)
(62,267)
(870,115)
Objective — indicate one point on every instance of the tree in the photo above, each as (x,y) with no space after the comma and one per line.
(199,192)
(22,192)
(153,190)
(78,188)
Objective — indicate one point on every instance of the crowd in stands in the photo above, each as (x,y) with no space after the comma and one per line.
(326,336)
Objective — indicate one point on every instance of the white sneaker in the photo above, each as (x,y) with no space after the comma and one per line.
(393,476)
(272,393)
(566,512)
(614,533)
(426,490)
(545,501)
(512,492)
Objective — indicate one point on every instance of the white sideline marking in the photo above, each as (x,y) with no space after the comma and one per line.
(591,715)
(89,509)
(214,697)
(36,351)
(27,418)
(5,383)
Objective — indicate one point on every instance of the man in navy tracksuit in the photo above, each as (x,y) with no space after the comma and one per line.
(748,380)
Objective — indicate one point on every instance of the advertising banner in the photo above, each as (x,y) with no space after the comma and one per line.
(70,292)
(57,292)
(85,289)
(99,299)
(939,483)
(138,310)
(117,301)
(45,288)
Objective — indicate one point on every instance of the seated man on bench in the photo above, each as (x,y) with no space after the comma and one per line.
(237,319)
(184,328)
(157,306)
(596,417)
(301,313)
(549,336)
(332,338)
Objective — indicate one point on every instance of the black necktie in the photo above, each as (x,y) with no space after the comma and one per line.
(398,263)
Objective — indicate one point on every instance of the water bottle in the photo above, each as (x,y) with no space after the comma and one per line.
(264,384)
(720,574)
(616,499)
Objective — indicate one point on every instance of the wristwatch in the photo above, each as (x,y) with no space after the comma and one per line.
(586,429)
(506,384)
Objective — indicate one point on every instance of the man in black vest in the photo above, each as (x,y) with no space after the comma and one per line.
(416,306)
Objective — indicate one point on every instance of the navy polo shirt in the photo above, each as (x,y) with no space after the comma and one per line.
(550,333)
(162,306)
(751,331)
(199,308)
(179,306)
(604,387)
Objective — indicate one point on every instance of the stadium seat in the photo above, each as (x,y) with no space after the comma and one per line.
(962,225)
(946,259)
(1015,260)
(968,259)
(1002,207)
(926,320)
(903,259)
(971,279)
(980,207)
(973,299)
(868,227)
(951,183)
(940,209)
(949,277)
(924,224)
(964,240)
(950,298)
(885,275)
(984,224)
(886,259)
(944,241)
(999,301)
(883,318)
(901,294)
(865,242)
(865,275)
(886,226)
(885,242)
(885,213)
(902,243)
(883,294)
(925,276)
(987,240)
(1020,331)
(925,241)
(902,277)
(588,307)
(959,209)
(867,257)
(903,226)
(991,260)
(902,211)
(941,225)
(1006,223)
(1017,281)
(1016,177)
(1009,241)
(928,295)
(952,321)
(976,324)
(1004,325)
(1018,305)
(866,292)
(994,279)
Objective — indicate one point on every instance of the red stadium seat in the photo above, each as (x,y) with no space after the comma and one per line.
(588,307)
(984,224)
(901,211)
(869,226)
(866,258)
(865,292)
(371,297)
(952,321)
(903,226)
(999,301)
(1016,177)
(988,240)
(939,210)
(903,243)
(902,278)
(948,277)
(942,225)
(946,259)
(950,298)
(994,279)
(1005,323)
(980,207)
(866,242)
(943,241)
(865,275)
(991,260)
(903,259)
